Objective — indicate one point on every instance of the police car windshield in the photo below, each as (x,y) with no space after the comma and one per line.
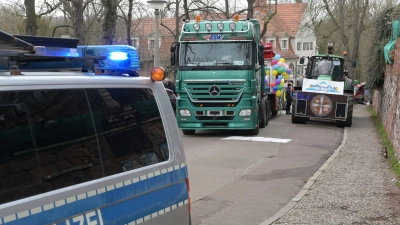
(216,54)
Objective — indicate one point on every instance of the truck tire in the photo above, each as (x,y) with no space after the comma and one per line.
(297,119)
(188,132)
(256,130)
(348,122)
(269,110)
(263,115)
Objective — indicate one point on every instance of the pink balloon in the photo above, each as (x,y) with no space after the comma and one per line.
(274,62)
(280,63)
(291,76)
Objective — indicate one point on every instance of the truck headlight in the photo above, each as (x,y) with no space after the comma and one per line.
(245,112)
(185,112)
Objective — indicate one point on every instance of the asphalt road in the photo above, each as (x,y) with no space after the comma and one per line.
(246,182)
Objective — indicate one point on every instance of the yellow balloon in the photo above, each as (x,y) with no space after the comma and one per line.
(282,60)
(267,72)
(285,74)
(274,72)
(278,93)
(282,81)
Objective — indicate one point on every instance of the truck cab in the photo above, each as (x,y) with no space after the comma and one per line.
(220,76)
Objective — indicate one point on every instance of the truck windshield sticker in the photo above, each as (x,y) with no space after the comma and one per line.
(214,37)
(221,54)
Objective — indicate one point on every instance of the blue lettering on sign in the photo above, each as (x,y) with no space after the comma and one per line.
(214,37)
(89,218)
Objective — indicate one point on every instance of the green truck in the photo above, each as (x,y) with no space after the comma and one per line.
(325,93)
(220,76)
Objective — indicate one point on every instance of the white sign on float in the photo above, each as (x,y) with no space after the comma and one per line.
(323,86)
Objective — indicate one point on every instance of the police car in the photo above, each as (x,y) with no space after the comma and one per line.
(86,147)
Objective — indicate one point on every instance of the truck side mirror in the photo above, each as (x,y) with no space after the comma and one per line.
(261,55)
(301,61)
(174,53)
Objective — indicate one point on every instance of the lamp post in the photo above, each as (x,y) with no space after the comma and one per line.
(156,5)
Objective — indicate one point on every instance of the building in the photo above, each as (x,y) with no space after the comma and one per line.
(290,32)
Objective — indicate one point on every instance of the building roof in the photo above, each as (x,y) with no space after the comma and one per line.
(288,18)
(145,27)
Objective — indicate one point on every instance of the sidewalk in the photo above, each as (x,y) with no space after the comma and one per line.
(355,185)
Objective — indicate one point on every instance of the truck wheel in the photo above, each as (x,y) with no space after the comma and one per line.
(256,130)
(297,119)
(263,116)
(188,132)
(348,122)
(269,110)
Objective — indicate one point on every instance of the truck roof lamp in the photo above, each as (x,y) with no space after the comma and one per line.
(208,26)
(197,19)
(232,26)
(196,26)
(220,26)
(157,74)
(236,18)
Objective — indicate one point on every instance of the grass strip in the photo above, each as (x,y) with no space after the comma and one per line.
(394,163)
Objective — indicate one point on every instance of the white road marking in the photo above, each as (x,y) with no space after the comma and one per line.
(262,139)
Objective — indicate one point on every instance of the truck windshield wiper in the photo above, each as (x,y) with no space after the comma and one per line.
(223,63)
(200,68)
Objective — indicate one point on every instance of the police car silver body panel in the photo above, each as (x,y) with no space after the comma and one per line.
(11,212)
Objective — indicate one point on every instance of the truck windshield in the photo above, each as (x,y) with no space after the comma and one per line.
(216,54)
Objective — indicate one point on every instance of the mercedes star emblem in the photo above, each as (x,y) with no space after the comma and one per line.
(214,90)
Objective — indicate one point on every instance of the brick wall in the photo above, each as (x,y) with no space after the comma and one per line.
(387,101)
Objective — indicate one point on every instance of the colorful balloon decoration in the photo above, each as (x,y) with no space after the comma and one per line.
(280,69)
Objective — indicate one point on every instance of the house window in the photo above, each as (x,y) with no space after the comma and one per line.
(305,45)
(284,44)
(151,43)
(311,45)
(298,45)
(135,42)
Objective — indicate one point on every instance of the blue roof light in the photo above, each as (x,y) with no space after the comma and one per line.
(119,57)
(116,56)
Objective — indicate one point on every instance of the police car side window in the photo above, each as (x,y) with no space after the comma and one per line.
(132,133)
(48,137)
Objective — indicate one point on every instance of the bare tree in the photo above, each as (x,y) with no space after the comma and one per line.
(31,25)
(30,11)
(110,20)
(75,9)
(338,12)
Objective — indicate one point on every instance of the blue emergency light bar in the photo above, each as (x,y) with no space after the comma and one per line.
(119,57)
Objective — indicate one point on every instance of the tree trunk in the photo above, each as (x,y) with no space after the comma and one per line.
(186,8)
(226,9)
(250,8)
(31,25)
(129,23)
(177,29)
(110,20)
(78,21)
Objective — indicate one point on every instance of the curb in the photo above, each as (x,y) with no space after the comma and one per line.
(293,203)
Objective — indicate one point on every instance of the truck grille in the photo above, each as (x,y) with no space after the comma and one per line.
(216,91)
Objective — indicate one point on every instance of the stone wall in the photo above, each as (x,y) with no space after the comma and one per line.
(387,101)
